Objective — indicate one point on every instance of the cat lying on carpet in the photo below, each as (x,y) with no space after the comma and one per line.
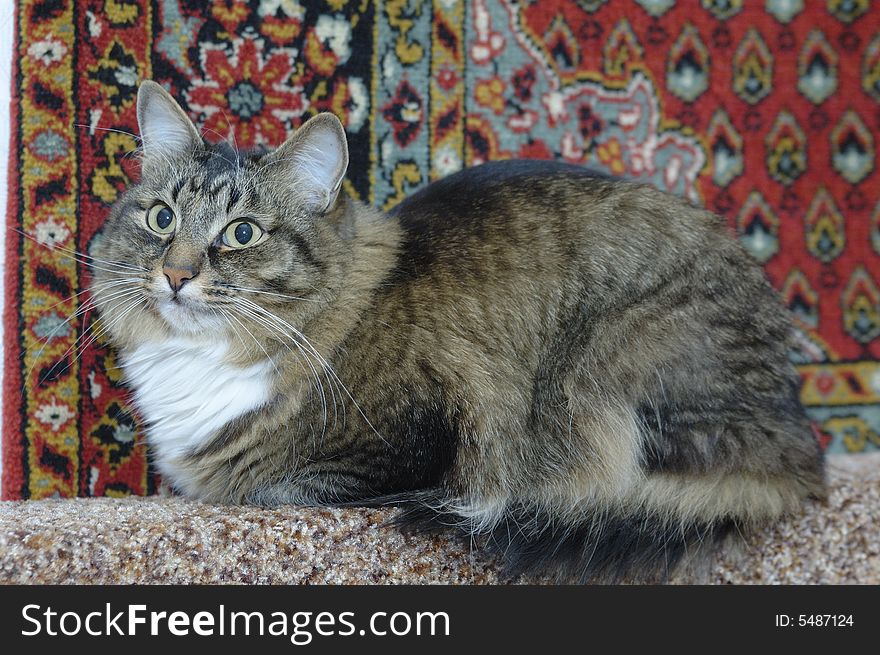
(587,375)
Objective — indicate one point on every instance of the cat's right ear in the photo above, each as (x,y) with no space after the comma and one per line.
(166,130)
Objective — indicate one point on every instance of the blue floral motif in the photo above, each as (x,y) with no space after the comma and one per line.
(178,34)
(50,145)
(52,326)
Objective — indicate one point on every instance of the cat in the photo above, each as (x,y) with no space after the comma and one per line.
(587,375)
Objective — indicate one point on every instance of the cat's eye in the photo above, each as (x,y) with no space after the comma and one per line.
(241,234)
(161,219)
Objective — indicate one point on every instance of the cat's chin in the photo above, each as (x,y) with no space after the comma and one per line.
(185,318)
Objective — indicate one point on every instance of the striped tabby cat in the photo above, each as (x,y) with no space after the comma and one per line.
(588,375)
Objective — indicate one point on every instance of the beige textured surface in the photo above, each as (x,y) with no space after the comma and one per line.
(170,540)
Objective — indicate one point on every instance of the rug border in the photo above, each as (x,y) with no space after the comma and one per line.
(12,482)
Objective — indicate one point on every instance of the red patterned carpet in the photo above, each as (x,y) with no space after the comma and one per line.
(766,112)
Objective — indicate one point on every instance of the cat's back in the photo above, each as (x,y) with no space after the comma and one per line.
(510,254)
(470,195)
(506,221)
(511,203)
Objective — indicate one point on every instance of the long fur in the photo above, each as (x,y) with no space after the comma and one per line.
(589,376)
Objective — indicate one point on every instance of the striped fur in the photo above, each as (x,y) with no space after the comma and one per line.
(588,375)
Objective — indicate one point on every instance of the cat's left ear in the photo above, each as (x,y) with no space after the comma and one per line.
(315,159)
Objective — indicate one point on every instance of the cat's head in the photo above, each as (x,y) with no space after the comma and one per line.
(210,233)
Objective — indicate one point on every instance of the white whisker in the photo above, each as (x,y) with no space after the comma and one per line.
(83,258)
(269,293)
(305,354)
(325,365)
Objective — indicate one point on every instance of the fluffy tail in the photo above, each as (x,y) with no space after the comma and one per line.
(595,546)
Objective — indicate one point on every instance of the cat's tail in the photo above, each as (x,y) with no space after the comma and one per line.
(590,545)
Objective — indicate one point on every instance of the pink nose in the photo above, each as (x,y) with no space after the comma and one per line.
(177,277)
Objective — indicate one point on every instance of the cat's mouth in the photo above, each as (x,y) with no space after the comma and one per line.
(186,315)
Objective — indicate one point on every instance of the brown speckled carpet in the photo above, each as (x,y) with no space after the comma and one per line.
(171,540)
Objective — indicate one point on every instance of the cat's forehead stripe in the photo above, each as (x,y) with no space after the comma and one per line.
(219,184)
(220,160)
(234,197)
(177,187)
(218,165)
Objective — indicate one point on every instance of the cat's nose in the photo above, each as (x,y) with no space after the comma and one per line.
(178,276)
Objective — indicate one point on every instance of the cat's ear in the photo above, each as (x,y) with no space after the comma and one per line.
(166,130)
(315,159)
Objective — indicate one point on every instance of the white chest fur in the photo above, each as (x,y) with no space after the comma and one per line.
(187,391)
